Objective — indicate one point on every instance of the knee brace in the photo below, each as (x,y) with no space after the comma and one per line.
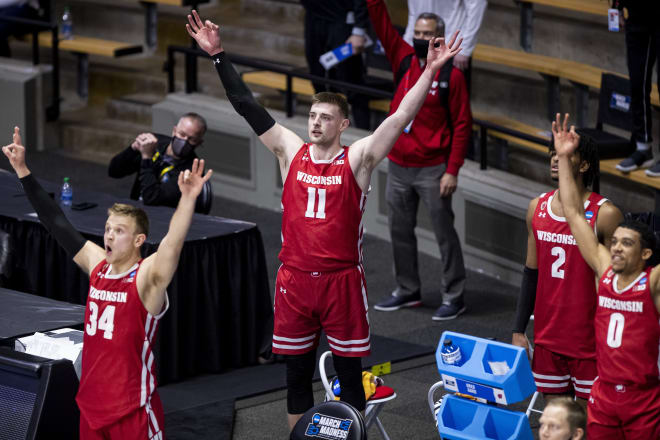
(349,371)
(299,374)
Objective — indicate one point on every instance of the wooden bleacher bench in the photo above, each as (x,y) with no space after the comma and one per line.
(85,46)
(609,167)
(151,17)
(595,7)
(277,81)
(512,124)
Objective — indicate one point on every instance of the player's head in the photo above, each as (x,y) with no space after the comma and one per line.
(188,134)
(125,231)
(585,160)
(562,419)
(428,25)
(632,245)
(328,118)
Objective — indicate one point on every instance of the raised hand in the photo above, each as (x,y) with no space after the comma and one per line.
(566,141)
(438,56)
(206,34)
(15,152)
(192,181)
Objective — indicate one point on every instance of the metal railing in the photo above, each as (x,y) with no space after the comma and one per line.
(53,110)
(191,55)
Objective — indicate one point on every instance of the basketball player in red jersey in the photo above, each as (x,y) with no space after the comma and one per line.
(320,284)
(127,297)
(625,398)
(558,286)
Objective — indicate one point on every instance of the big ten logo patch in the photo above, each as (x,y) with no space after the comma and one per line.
(328,427)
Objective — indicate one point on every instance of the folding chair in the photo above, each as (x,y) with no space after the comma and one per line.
(374,404)
(530,407)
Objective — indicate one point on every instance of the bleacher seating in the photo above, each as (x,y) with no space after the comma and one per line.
(83,47)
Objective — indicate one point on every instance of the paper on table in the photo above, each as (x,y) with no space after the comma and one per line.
(499,368)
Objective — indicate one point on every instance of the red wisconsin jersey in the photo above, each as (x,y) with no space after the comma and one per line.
(118,371)
(566,289)
(627,331)
(322,213)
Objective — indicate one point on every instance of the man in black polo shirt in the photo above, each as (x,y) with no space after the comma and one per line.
(157,161)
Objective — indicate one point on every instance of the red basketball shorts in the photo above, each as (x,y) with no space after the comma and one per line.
(623,412)
(306,302)
(145,423)
(558,374)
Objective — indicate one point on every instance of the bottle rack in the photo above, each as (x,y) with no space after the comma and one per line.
(471,413)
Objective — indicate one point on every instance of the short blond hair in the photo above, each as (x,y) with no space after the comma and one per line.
(332,98)
(137,214)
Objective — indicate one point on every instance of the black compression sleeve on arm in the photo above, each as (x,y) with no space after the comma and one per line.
(52,217)
(241,97)
(526,300)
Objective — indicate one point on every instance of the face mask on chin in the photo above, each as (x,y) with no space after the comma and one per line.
(421,48)
(181,147)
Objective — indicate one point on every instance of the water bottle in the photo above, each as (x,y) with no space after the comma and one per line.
(67,24)
(66,195)
(451,354)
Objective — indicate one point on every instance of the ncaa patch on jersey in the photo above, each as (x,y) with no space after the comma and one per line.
(328,427)
(589,215)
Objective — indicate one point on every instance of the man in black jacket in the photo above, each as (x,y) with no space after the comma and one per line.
(328,25)
(157,160)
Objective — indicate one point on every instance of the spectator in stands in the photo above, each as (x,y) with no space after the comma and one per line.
(642,28)
(562,419)
(157,160)
(465,15)
(18,9)
(424,163)
(328,25)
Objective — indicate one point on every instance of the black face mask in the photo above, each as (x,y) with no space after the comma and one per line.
(421,48)
(181,147)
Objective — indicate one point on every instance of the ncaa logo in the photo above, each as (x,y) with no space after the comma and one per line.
(317,418)
(589,215)
(643,280)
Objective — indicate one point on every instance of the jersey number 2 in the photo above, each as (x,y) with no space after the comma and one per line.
(311,203)
(615,330)
(105,323)
(560,253)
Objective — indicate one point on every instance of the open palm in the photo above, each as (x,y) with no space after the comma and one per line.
(566,141)
(206,34)
(438,56)
(191,181)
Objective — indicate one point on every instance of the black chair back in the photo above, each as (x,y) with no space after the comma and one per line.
(614,102)
(333,419)
(204,199)
(6,258)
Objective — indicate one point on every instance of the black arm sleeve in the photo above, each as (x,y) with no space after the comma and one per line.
(125,163)
(155,192)
(52,217)
(241,97)
(526,300)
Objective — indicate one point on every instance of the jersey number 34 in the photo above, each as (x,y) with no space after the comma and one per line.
(105,322)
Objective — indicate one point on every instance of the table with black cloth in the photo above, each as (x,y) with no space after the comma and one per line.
(220,313)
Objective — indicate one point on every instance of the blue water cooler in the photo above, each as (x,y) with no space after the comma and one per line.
(490,373)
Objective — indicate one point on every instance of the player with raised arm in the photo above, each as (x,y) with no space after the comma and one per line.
(320,284)
(127,296)
(558,286)
(625,398)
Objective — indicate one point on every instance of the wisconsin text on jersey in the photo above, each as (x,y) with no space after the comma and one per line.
(318,180)
(556,238)
(105,295)
(615,304)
